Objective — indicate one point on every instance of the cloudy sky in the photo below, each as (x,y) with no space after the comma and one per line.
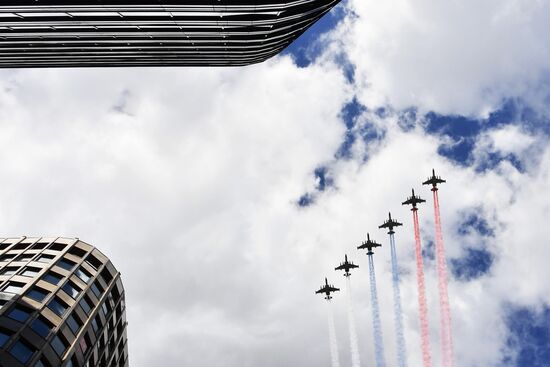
(225,196)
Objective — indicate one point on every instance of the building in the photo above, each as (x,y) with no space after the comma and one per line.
(61,304)
(78,33)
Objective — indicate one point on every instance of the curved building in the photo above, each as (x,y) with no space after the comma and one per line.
(61,304)
(77,33)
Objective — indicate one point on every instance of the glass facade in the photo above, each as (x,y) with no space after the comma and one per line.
(62,306)
(60,33)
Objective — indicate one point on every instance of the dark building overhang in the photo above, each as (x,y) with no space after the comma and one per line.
(96,33)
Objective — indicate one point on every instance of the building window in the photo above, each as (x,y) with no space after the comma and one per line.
(4,337)
(22,351)
(83,275)
(57,247)
(19,313)
(7,257)
(93,262)
(73,324)
(14,287)
(59,345)
(24,257)
(40,245)
(58,306)
(21,246)
(85,304)
(10,270)
(66,264)
(42,326)
(71,289)
(96,290)
(45,258)
(31,272)
(77,252)
(38,294)
(52,277)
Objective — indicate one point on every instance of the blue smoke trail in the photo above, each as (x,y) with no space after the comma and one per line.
(376,326)
(398,314)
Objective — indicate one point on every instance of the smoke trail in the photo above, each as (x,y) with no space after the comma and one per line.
(445,310)
(335,359)
(424,329)
(398,314)
(376,326)
(355,360)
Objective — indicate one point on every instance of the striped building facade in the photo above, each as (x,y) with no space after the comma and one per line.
(61,304)
(95,33)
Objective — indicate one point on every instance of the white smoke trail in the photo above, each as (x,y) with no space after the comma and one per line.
(355,359)
(398,314)
(335,358)
(376,325)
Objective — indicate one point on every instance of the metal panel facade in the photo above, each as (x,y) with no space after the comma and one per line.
(65,33)
(61,304)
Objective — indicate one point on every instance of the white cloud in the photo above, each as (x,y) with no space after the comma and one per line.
(459,57)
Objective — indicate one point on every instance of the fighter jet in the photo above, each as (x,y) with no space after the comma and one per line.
(346,266)
(434,180)
(327,289)
(413,200)
(390,223)
(369,245)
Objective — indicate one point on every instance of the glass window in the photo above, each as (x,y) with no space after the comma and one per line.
(95,326)
(42,327)
(20,314)
(77,251)
(39,364)
(57,306)
(21,351)
(83,275)
(14,287)
(96,290)
(66,264)
(93,261)
(38,294)
(58,345)
(30,272)
(4,337)
(24,257)
(40,245)
(73,324)
(58,246)
(71,289)
(10,270)
(52,277)
(45,258)
(7,257)
(85,305)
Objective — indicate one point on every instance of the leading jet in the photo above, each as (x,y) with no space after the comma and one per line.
(390,224)
(434,180)
(369,245)
(327,289)
(413,200)
(346,266)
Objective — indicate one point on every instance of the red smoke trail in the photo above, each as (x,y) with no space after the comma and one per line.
(424,329)
(446,335)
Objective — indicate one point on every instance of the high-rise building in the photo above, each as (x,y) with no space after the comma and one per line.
(61,304)
(77,33)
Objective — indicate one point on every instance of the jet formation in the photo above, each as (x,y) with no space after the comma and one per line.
(369,244)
